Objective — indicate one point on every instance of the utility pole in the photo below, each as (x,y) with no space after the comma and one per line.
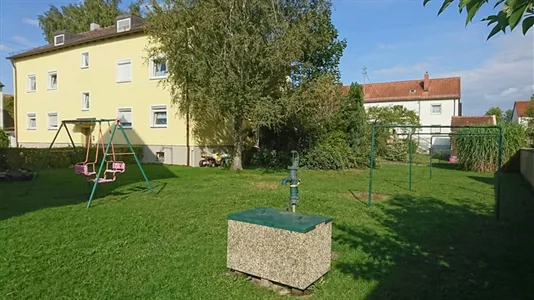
(364,72)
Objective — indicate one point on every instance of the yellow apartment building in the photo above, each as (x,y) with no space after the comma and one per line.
(102,73)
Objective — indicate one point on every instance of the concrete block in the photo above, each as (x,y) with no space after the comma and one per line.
(284,247)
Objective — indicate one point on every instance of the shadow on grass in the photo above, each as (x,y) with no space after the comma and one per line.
(432,249)
(61,187)
(487,180)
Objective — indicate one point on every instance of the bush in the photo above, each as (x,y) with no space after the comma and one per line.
(480,153)
(331,153)
(59,157)
(4,139)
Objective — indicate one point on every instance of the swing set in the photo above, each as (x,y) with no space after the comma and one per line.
(107,168)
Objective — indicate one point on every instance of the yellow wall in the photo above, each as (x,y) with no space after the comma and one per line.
(106,94)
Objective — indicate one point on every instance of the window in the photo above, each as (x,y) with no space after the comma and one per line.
(124,25)
(86,101)
(52,121)
(124,70)
(436,109)
(32,121)
(160,156)
(125,117)
(32,83)
(52,80)
(59,40)
(85,60)
(158,116)
(435,129)
(158,68)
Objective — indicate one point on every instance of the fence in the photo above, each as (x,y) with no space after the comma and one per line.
(527,165)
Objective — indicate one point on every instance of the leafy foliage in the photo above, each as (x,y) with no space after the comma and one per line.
(4,139)
(233,58)
(355,118)
(480,153)
(529,113)
(497,112)
(507,116)
(77,17)
(510,14)
(62,157)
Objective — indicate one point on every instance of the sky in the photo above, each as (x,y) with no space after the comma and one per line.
(394,40)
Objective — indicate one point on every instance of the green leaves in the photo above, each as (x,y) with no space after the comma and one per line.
(510,14)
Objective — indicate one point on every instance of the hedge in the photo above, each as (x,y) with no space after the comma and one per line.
(59,157)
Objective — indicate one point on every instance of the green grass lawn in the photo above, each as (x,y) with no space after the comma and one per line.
(439,241)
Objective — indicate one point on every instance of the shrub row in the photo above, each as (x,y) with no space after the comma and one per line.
(59,157)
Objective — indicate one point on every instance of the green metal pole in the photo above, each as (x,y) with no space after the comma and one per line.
(410,141)
(430,169)
(498,189)
(101,166)
(135,157)
(41,163)
(371,164)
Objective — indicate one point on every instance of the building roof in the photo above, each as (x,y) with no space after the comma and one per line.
(472,121)
(1,84)
(521,107)
(81,38)
(412,90)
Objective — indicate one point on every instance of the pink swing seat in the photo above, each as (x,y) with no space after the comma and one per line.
(82,168)
(115,167)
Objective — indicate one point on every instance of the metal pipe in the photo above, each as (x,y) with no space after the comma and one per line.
(371,164)
(15,104)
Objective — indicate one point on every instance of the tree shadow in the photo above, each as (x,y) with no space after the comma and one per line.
(61,187)
(432,249)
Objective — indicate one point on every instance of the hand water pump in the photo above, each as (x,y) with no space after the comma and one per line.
(293,181)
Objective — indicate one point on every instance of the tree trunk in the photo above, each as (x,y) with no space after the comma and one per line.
(237,163)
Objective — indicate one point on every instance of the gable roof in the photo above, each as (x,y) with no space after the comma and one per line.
(472,121)
(81,38)
(412,90)
(521,107)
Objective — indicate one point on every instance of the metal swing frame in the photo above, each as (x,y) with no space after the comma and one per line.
(93,183)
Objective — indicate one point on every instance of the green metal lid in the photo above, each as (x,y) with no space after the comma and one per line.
(275,218)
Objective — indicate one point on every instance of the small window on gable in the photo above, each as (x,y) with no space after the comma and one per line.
(124,25)
(52,121)
(412,91)
(158,67)
(85,60)
(59,40)
(52,80)
(86,101)
(436,109)
(32,83)
(32,121)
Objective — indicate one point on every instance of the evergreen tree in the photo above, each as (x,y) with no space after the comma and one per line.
(355,119)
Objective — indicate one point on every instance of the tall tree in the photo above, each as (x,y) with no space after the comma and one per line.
(234,58)
(355,118)
(497,112)
(510,14)
(529,113)
(508,115)
(76,17)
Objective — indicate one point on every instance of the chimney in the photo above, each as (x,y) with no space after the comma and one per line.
(94,26)
(426,83)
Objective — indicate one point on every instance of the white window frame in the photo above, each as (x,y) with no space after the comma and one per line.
(28,85)
(121,62)
(129,26)
(48,120)
(82,98)
(28,116)
(82,61)
(151,73)
(55,40)
(432,109)
(48,80)
(158,108)
(122,109)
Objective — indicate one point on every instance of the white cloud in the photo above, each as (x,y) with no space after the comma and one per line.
(399,70)
(505,77)
(22,41)
(29,21)
(5,48)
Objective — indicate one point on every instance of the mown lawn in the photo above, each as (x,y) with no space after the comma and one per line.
(439,241)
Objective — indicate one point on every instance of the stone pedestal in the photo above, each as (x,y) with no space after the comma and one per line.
(284,247)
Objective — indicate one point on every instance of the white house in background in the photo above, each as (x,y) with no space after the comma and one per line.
(519,111)
(434,100)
